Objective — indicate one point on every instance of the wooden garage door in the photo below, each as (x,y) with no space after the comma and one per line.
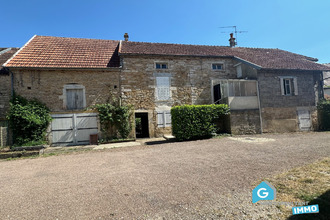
(73,129)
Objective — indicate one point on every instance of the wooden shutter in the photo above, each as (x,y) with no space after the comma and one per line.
(164,119)
(163,88)
(295,86)
(282,86)
(168,120)
(74,99)
(160,119)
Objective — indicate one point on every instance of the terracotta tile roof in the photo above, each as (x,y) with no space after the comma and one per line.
(60,52)
(6,54)
(264,58)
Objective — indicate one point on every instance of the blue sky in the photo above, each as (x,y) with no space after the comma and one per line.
(298,26)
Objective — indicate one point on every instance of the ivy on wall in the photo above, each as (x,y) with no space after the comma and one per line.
(28,120)
(115,119)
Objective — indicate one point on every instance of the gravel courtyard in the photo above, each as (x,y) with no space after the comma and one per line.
(209,179)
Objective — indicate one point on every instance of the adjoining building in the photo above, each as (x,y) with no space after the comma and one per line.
(268,90)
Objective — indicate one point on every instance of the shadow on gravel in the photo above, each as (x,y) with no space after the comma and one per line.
(324,203)
(158,142)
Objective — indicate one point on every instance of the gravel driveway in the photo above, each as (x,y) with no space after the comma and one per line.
(189,180)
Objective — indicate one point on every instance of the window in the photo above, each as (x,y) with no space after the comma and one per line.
(162,88)
(217,66)
(289,86)
(161,65)
(164,119)
(74,97)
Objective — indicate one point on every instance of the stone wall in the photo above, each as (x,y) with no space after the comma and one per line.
(5,93)
(245,122)
(270,89)
(279,112)
(47,85)
(190,79)
(3,136)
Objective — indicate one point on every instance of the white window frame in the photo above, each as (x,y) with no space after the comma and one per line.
(158,88)
(293,85)
(73,86)
(162,122)
(218,64)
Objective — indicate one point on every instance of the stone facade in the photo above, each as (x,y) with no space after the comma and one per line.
(47,85)
(5,93)
(4,136)
(245,122)
(280,112)
(190,83)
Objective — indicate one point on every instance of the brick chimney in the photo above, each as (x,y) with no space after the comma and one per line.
(232,40)
(126,36)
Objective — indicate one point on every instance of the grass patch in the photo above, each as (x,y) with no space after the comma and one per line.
(308,183)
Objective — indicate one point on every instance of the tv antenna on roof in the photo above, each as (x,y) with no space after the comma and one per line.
(234,30)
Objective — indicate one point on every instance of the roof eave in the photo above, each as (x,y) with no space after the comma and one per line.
(286,69)
(248,63)
(65,68)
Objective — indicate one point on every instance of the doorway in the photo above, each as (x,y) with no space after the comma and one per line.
(216,94)
(141,125)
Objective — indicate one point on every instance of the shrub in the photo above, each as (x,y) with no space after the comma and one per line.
(28,120)
(323,109)
(196,121)
(114,119)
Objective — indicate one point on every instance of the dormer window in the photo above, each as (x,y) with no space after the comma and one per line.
(217,66)
(161,66)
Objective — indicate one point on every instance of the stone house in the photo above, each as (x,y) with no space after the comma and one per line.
(5,81)
(268,90)
(5,93)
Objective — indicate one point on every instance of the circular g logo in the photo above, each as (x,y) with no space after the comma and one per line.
(264,194)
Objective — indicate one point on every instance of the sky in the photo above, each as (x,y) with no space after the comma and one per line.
(299,26)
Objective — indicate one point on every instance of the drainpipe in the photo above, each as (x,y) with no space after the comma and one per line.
(259,107)
(321,89)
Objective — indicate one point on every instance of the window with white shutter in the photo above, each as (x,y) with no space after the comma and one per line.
(164,119)
(289,86)
(163,88)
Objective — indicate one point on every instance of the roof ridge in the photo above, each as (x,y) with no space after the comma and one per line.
(177,44)
(78,38)
(5,50)
(261,48)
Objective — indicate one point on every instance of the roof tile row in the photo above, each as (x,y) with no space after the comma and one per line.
(59,52)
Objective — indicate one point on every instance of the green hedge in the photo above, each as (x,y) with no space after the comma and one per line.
(323,109)
(196,121)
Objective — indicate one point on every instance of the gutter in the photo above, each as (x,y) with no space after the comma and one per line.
(66,68)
